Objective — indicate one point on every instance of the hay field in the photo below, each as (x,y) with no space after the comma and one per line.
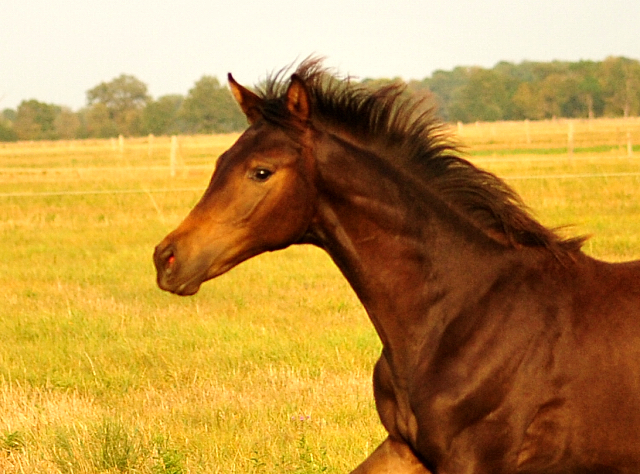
(268,368)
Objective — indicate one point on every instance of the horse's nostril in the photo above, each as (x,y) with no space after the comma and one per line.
(164,259)
(169,264)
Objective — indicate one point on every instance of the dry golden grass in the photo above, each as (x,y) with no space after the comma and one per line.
(546,135)
(268,368)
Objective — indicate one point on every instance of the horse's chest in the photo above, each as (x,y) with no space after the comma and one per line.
(436,424)
(393,403)
(454,426)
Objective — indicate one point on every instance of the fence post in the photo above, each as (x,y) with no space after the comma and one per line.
(173,158)
(629,144)
(527,131)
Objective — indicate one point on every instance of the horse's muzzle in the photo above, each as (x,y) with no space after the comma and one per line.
(164,260)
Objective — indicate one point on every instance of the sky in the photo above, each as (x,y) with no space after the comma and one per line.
(55,50)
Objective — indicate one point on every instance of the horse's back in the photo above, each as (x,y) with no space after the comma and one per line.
(596,406)
(551,361)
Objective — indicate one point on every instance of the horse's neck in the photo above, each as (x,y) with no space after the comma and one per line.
(407,255)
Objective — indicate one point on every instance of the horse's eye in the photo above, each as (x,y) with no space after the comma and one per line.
(261,174)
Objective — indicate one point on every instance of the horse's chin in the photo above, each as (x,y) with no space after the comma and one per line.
(185,288)
(190,286)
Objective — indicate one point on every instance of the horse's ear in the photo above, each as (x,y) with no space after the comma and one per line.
(249,102)
(298,102)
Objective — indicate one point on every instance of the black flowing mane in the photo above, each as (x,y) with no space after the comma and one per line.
(395,120)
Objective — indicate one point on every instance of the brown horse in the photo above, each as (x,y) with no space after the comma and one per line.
(505,348)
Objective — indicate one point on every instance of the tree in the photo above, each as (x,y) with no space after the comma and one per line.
(591,93)
(7,134)
(445,86)
(620,79)
(549,96)
(97,122)
(484,97)
(589,89)
(124,99)
(210,108)
(161,117)
(66,124)
(9,114)
(36,120)
(526,102)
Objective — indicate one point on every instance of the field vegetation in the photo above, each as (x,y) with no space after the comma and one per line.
(268,368)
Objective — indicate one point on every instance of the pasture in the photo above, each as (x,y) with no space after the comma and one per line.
(266,369)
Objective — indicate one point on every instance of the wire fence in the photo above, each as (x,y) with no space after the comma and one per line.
(33,163)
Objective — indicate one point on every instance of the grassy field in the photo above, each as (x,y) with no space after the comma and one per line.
(268,368)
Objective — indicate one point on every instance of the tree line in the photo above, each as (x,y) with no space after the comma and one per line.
(537,90)
(508,91)
(123,106)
